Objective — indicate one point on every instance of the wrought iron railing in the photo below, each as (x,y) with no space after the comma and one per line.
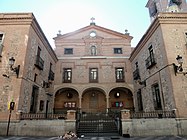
(150,61)
(154,114)
(41,116)
(51,75)
(39,62)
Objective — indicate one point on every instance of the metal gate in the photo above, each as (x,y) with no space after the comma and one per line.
(98,124)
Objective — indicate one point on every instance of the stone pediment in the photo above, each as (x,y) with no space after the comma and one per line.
(100,34)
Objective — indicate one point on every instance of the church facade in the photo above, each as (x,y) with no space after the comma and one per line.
(95,69)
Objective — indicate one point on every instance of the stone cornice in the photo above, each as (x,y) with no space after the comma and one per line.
(162,18)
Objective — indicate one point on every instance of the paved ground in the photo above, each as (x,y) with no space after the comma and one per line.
(96,138)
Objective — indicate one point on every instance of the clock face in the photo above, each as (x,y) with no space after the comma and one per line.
(92,34)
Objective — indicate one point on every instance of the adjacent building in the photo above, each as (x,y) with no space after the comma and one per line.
(160,77)
(27,65)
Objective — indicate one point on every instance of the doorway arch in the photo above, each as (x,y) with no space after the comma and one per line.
(66,99)
(94,100)
(121,98)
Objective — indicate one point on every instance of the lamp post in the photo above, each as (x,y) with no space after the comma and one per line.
(11,107)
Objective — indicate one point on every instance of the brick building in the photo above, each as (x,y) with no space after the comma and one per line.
(29,81)
(93,72)
(160,82)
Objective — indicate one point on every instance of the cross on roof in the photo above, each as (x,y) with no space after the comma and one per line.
(92,19)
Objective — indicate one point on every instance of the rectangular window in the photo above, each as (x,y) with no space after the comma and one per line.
(139,99)
(150,61)
(136,74)
(119,75)
(93,75)
(118,51)
(34,99)
(68,51)
(39,63)
(156,97)
(41,105)
(67,75)
(1,43)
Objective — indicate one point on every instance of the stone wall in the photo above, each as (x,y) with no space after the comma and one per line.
(154,127)
(38,127)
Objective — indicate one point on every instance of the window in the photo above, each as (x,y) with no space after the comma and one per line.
(150,61)
(93,50)
(119,75)
(139,99)
(39,61)
(93,75)
(41,105)
(68,51)
(51,73)
(67,75)
(117,50)
(136,74)
(156,97)
(34,99)
(1,43)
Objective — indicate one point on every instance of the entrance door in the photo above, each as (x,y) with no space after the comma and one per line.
(94,102)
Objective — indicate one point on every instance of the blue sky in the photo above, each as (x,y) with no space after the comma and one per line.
(71,15)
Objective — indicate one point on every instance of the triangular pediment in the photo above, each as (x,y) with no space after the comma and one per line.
(101,33)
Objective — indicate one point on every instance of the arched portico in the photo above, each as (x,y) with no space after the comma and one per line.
(66,99)
(121,98)
(93,100)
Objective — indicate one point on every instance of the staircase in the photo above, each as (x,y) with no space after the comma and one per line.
(97,124)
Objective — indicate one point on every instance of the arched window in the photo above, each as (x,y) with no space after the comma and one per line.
(93,50)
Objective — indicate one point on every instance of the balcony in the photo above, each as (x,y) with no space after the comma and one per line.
(39,62)
(150,61)
(136,74)
(51,75)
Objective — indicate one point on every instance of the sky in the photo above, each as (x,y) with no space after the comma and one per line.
(71,15)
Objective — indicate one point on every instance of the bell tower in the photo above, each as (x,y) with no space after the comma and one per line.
(157,6)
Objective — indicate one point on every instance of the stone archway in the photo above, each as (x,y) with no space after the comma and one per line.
(121,98)
(93,100)
(66,99)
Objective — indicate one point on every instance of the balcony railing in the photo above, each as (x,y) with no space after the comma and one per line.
(150,61)
(39,62)
(51,75)
(136,74)
(154,114)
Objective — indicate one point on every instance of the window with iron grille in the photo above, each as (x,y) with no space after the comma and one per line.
(67,75)
(156,97)
(120,75)
(136,74)
(93,75)
(150,61)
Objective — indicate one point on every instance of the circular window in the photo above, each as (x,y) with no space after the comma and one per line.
(92,34)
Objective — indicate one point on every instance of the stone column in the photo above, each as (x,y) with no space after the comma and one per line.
(107,103)
(80,102)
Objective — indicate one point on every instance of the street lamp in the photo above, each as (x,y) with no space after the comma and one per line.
(14,69)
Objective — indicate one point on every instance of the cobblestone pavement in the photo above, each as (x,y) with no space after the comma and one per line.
(96,138)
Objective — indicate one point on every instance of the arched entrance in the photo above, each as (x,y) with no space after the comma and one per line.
(121,98)
(65,99)
(93,100)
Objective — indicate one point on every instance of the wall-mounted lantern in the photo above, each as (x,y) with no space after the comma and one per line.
(178,69)
(14,69)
